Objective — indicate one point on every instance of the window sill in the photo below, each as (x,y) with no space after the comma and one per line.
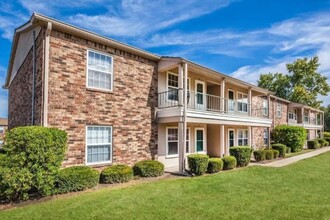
(100,164)
(99,90)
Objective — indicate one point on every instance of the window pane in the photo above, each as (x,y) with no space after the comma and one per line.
(98,144)
(172,148)
(99,70)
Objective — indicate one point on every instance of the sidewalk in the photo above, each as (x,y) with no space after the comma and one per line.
(287,161)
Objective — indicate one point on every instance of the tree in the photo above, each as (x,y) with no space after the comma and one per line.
(302,84)
(326,117)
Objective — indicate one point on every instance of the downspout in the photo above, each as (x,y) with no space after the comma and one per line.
(46,76)
(33,75)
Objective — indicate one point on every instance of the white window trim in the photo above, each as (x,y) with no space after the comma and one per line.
(188,140)
(247,137)
(265,129)
(234,100)
(247,102)
(235,144)
(279,113)
(2,129)
(112,61)
(265,106)
(204,141)
(169,72)
(86,147)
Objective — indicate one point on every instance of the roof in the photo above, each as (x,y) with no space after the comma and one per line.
(3,122)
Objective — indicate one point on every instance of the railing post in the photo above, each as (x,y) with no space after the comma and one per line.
(250,101)
(222,96)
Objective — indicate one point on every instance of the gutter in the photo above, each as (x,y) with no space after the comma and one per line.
(46,76)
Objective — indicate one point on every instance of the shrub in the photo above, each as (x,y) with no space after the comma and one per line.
(276,153)
(269,154)
(40,152)
(281,148)
(291,136)
(259,155)
(229,162)
(198,163)
(313,144)
(77,178)
(215,165)
(326,134)
(148,168)
(327,139)
(322,142)
(242,155)
(116,174)
(288,150)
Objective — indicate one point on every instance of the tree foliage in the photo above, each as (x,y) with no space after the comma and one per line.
(326,117)
(302,84)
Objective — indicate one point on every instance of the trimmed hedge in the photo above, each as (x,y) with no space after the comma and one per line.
(288,150)
(148,168)
(269,154)
(198,163)
(242,155)
(327,139)
(229,162)
(291,136)
(37,153)
(77,178)
(259,155)
(276,153)
(281,148)
(313,144)
(322,142)
(326,134)
(215,165)
(116,174)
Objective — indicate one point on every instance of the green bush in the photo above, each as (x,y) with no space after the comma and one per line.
(242,155)
(39,151)
(259,155)
(288,150)
(322,142)
(327,139)
(148,168)
(313,144)
(276,153)
(215,165)
(281,148)
(269,154)
(116,174)
(77,178)
(326,134)
(291,136)
(229,162)
(198,163)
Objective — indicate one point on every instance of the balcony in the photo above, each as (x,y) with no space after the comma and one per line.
(304,121)
(202,104)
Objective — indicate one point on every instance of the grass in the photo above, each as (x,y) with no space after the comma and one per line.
(303,151)
(298,191)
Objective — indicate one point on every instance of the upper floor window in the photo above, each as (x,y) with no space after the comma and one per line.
(99,71)
(173,86)
(265,107)
(242,101)
(2,130)
(279,110)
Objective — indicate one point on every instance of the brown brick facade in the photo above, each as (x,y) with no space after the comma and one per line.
(129,108)
(20,90)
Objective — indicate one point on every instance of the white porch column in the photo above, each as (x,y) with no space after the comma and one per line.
(302,114)
(268,105)
(222,95)
(309,116)
(181,125)
(180,93)
(250,101)
(268,130)
(222,140)
(181,146)
(250,136)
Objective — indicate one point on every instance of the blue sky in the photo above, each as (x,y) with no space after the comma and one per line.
(242,38)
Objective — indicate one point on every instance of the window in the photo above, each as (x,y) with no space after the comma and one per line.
(99,144)
(279,110)
(99,71)
(242,102)
(173,87)
(266,136)
(242,137)
(199,139)
(2,130)
(265,107)
(173,141)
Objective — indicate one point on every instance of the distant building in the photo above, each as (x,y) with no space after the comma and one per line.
(3,128)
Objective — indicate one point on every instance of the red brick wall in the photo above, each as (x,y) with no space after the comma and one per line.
(20,90)
(129,108)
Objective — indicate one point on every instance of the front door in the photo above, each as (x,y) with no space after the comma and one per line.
(231,138)
(200,94)
(231,102)
(199,139)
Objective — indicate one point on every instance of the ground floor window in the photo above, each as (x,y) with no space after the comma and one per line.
(242,137)
(99,144)
(266,136)
(173,141)
(199,139)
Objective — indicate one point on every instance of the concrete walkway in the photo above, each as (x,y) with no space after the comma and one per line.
(290,160)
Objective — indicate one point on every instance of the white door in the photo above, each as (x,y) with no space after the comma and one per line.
(200,98)
(231,101)
(231,138)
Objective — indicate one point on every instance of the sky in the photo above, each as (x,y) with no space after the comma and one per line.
(241,38)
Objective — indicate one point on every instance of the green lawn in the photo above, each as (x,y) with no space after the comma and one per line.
(298,191)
